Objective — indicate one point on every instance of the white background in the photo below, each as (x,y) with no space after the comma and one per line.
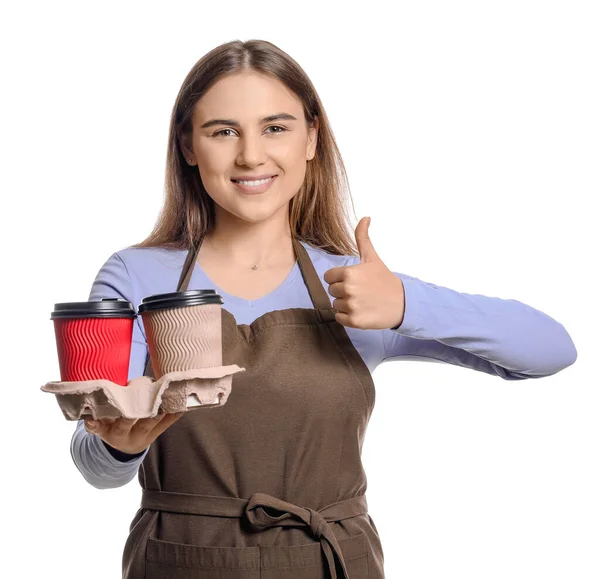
(470,132)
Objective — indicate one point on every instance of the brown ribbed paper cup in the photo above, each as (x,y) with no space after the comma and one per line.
(183,330)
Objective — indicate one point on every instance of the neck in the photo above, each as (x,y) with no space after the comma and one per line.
(265,244)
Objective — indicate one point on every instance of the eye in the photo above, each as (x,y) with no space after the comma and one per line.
(219,133)
(281,129)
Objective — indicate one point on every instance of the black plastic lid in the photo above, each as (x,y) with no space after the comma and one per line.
(105,308)
(180,300)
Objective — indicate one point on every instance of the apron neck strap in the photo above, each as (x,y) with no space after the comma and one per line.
(318,295)
(188,267)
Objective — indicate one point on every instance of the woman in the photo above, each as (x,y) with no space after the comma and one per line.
(271,484)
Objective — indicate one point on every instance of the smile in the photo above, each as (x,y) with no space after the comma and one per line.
(253,187)
(253,183)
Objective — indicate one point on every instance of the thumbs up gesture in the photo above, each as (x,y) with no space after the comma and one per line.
(368,295)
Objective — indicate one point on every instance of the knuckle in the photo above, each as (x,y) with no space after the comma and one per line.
(144,429)
(122,427)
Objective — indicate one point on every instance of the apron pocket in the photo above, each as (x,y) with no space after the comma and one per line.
(165,560)
(308,561)
(355,551)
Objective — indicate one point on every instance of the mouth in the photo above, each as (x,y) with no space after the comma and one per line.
(255,186)
(254,182)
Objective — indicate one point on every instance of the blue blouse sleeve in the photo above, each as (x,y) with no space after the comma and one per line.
(503,337)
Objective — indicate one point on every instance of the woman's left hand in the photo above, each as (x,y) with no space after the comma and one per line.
(368,295)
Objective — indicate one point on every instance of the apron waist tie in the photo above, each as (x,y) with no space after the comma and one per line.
(258,512)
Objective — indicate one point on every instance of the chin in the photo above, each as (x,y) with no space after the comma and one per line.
(253,216)
(256,214)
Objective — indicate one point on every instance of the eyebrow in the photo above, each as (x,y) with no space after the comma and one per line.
(269,119)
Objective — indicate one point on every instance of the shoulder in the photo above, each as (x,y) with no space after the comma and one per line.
(151,269)
(150,258)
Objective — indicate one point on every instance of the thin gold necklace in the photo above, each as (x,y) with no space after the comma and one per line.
(254,267)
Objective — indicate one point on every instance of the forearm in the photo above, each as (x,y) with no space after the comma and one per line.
(504,333)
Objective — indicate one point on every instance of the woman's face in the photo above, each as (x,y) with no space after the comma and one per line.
(233,139)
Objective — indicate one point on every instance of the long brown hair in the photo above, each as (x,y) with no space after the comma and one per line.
(318,212)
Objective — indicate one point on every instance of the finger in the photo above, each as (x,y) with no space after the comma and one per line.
(168,420)
(343,319)
(341,306)
(95,426)
(337,290)
(334,275)
(122,427)
(146,425)
(363,241)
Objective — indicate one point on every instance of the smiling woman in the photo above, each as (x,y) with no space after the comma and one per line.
(271,484)
(255,186)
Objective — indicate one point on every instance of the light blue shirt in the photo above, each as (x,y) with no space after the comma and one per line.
(497,336)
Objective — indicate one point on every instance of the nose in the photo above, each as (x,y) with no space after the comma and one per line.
(251,151)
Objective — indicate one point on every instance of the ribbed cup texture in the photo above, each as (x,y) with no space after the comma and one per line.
(184,338)
(94,349)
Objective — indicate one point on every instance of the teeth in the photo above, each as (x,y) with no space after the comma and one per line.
(254,183)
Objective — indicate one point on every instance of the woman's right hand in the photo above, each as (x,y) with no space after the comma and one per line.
(131,435)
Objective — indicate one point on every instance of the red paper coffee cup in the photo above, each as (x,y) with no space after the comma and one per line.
(93,340)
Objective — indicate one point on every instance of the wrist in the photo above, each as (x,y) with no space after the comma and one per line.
(120,455)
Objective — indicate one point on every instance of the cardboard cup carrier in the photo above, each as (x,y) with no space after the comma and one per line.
(184,336)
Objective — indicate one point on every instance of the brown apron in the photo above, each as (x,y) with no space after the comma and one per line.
(269,485)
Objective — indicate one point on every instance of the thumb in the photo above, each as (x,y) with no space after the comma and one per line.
(363,241)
